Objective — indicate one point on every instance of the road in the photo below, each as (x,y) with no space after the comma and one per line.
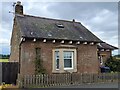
(98,85)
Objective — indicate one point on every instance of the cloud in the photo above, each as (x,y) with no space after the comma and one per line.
(6,16)
(104,25)
(5,33)
(4,41)
(4,48)
(39,9)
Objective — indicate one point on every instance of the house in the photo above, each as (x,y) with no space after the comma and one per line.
(61,46)
(104,52)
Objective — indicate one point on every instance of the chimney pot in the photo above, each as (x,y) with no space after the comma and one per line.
(73,20)
(18,3)
(19,8)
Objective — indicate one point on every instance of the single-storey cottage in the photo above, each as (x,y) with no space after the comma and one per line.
(60,46)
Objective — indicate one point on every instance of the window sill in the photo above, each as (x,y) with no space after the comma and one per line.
(68,68)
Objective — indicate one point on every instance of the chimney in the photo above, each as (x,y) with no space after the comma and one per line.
(73,20)
(18,8)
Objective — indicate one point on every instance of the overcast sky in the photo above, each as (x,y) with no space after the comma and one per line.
(101,18)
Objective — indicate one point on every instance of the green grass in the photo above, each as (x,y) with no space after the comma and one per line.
(4,60)
(117,58)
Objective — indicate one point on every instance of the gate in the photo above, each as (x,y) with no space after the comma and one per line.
(9,72)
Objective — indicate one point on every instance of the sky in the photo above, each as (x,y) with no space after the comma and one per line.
(101,18)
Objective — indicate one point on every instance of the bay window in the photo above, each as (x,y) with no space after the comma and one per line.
(64,60)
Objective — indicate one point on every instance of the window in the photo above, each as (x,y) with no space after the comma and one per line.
(100,59)
(68,59)
(57,59)
(64,60)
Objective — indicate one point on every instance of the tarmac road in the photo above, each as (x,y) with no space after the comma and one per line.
(97,85)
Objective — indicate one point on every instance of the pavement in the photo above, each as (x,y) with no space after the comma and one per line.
(97,85)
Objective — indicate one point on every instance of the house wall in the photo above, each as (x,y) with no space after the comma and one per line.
(87,61)
(105,55)
(15,39)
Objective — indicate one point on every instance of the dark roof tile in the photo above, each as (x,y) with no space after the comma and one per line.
(106,46)
(39,27)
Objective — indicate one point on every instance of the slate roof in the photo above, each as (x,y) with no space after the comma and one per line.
(39,27)
(106,46)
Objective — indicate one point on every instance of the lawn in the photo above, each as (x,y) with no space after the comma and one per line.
(4,60)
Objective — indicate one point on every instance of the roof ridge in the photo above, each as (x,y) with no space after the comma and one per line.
(51,19)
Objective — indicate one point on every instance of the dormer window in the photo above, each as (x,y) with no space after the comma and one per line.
(60,25)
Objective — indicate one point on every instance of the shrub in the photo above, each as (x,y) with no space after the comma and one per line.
(113,63)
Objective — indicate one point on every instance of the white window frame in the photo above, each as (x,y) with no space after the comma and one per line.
(56,60)
(71,59)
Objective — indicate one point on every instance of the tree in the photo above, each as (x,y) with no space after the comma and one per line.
(114,64)
(4,56)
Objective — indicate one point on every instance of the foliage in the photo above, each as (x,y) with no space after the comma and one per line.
(4,56)
(117,56)
(114,64)
(4,86)
(39,67)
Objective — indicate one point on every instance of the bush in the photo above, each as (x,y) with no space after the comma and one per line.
(114,64)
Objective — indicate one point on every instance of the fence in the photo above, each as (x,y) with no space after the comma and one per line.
(44,80)
(8,72)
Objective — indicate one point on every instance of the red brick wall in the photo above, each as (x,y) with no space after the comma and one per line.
(86,57)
